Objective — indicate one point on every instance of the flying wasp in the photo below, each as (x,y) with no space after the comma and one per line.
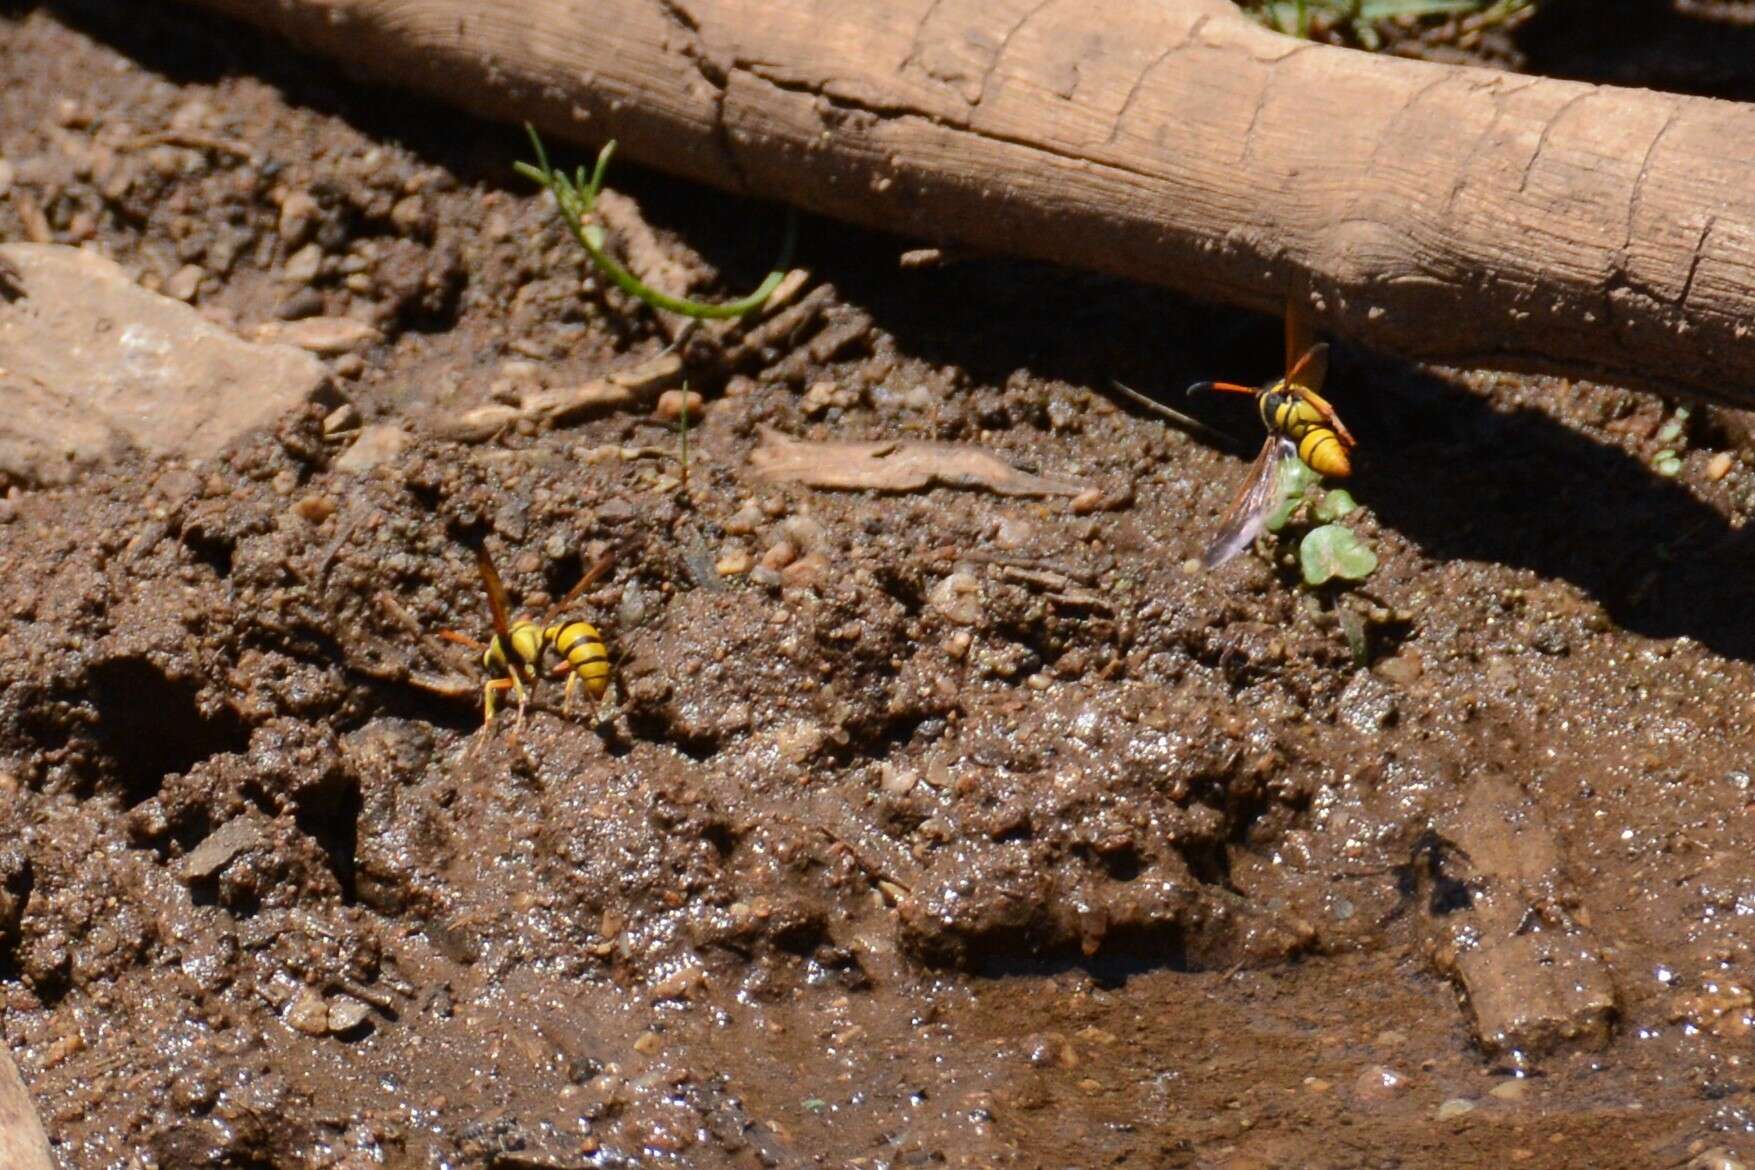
(513,656)
(1300,425)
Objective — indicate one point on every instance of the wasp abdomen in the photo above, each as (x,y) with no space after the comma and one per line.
(582,646)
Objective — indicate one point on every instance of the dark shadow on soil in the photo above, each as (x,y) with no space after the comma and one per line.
(1647,43)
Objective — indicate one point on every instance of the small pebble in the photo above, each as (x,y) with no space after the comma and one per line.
(1717,1158)
(1379,1082)
(734,561)
(298,215)
(302,266)
(315,508)
(1719,466)
(779,555)
(806,532)
(308,1013)
(647,1044)
(349,366)
(1455,1107)
(672,404)
(1515,1089)
(958,598)
(894,781)
(1087,501)
(346,1014)
(185,282)
(743,521)
(343,418)
(810,569)
(1402,670)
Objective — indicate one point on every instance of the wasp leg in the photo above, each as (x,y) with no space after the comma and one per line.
(487,691)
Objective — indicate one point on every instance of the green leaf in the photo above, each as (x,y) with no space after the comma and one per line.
(1334,504)
(1333,550)
(1666,463)
(1295,480)
(1391,9)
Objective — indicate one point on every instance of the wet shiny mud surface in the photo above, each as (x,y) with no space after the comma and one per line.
(929,828)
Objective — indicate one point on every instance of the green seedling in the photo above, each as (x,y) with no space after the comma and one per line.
(1360,18)
(576,197)
(1330,551)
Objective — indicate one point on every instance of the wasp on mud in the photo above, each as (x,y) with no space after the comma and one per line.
(513,655)
(1300,425)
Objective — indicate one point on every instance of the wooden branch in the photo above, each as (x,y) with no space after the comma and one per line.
(1442,213)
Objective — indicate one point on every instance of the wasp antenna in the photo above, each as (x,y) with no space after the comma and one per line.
(1222,388)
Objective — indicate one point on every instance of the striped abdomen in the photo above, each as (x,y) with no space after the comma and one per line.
(1318,445)
(582,646)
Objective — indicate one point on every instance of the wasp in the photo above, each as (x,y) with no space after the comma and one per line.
(513,656)
(1300,425)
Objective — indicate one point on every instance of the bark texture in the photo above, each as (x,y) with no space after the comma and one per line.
(1440,212)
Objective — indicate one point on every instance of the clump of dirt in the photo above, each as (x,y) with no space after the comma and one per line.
(936,826)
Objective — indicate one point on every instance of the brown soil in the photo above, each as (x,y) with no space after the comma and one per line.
(1085,858)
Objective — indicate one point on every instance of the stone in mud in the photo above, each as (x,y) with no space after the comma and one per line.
(1532,974)
(220,846)
(95,366)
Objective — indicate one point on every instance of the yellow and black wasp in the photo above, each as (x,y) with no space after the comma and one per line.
(1300,425)
(513,656)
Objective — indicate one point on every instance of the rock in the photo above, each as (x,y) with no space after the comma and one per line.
(780,554)
(346,1013)
(315,508)
(343,418)
(1717,1158)
(647,377)
(1455,1107)
(376,445)
(572,403)
(672,404)
(744,521)
(23,1144)
(1531,973)
(480,424)
(324,336)
(733,561)
(958,598)
(308,1013)
(1379,1082)
(217,850)
(298,216)
(185,282)
(95,366)
(303,265)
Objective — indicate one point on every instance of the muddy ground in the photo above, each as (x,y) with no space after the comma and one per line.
(936,828)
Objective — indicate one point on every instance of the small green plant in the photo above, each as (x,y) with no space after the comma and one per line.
(576,197)
(1358,19)
(1330,550)
(1668,461)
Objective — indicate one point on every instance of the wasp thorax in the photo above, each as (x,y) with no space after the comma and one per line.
(526,638)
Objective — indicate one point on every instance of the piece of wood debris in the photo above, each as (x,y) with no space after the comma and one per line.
(1531,972)
(893,465)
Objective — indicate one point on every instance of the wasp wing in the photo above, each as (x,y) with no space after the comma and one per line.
(1310,370)
(592,575)
(1300,332)
(496,592)
(1248,513)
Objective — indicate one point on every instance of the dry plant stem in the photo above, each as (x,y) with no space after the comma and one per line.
(1439,212)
